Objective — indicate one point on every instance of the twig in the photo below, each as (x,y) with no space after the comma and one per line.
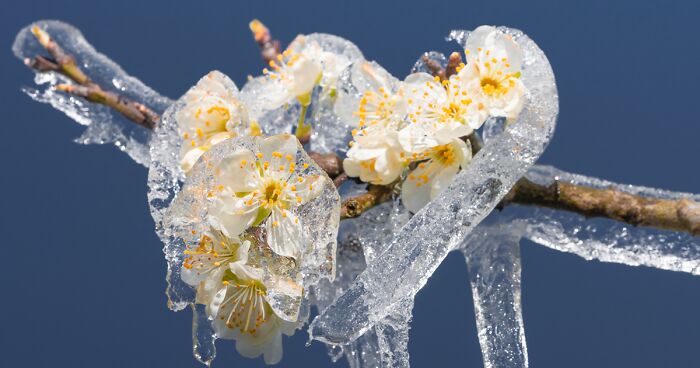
(433,66)
(64,63)
(134,111)
(355,206)
(269,47)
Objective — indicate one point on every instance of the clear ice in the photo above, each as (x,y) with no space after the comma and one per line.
(383,257)
(418,248)
(185,219)
(360,240)
(104,125)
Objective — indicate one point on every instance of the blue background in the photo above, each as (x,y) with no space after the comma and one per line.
(82,270)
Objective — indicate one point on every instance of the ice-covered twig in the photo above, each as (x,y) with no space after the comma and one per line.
(678,214)
(64,63)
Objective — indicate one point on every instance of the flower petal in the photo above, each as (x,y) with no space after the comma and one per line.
(414,193)
(284,234)
(237,172)
(229,215)
(190,158)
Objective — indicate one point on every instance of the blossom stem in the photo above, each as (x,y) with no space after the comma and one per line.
(303,129)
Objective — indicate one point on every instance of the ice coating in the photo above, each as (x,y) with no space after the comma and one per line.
(421,245)
(186,219)
(359,241)
(165,174)
(492,253)
(203,335)
(607,240)
(336,54)
(104,125)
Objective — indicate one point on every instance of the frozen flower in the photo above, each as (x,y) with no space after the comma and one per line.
(263,189)
(433,175)
(205,262)
(492,73)
(332,64)
(211,114)
(380,99)
(240,311)
(375,157)
(292,75)
(438,111)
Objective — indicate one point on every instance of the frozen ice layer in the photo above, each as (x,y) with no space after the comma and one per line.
(209,112)
(196,223)
(191,213)
(273,99)
(203,335)
(492,252)
(104,125)
(420,246)
(608,240)
(360,240)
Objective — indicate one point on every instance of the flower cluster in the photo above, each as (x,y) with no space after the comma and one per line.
(252,225)
(252,231)
(245,257)
(419,124)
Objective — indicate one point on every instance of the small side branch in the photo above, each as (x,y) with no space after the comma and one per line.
(269,47)
(355,206)
(64,63)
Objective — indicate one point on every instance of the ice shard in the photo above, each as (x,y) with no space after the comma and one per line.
(360,240)
(492,253)
(420,246)
(104,125)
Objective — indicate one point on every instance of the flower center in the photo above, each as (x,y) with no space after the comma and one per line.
(272,192)
(444,154)
(245,305)
(492,86)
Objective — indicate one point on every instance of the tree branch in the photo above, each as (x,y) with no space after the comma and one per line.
(64,63)
(679,215)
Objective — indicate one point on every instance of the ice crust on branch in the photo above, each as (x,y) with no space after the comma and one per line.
(607,240)
(420,246)
(104,125)
(360,240)
(369,321)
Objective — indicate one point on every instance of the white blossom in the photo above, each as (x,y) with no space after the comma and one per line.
(438,111)
(235,296)
(375,157)
(211,114)
(437,170)
(492,73)
(264,189)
